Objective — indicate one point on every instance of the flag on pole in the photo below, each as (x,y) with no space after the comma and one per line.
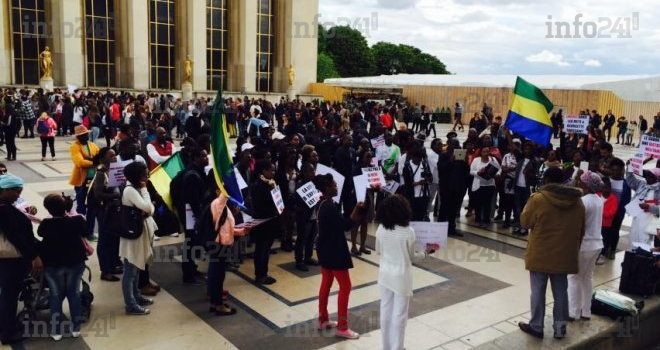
(162,176)
(529,113)
(223,169)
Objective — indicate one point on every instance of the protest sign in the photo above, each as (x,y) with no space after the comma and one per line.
(391,187)
(116,176)
(637,164)
(576,124)
(361,185)
(309,194)
(378,141)
(277,199)
(430,233)
(650,146)
(375,177)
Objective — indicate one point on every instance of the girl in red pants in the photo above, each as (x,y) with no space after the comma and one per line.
(334,256)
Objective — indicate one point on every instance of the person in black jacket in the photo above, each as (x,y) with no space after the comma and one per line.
(17,254)
(286,176)
(264,208)
(334,256)
(64,260)
(305,222)
(453,181)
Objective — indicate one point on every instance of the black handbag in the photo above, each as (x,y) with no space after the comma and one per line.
(123,220)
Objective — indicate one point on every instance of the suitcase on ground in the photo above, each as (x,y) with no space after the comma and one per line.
(639,275)
(614,305)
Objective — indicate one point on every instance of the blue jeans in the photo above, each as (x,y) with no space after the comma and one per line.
(129,285)
(81,207)
(559,285)
(64,282)
(107,248)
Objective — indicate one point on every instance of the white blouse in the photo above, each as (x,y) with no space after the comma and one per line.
(397,251)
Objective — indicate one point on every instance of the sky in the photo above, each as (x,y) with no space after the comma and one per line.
(511,36)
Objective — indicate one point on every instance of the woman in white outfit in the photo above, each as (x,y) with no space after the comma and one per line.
(395,243)
(137,252)
(580,285)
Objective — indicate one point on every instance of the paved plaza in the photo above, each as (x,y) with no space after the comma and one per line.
(470,293)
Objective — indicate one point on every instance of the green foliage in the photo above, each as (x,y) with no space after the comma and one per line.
(350,51)
(395,59)
(326,68)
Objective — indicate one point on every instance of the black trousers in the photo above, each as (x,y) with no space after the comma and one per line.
(450,204)
(12,273)
(188,266)
(10,139)
(262,247)
(50,142)
(483,200)
(419,206)
(28,127)
(305,240)
(143,277)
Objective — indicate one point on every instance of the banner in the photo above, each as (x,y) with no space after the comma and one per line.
(576,124)
(309,194)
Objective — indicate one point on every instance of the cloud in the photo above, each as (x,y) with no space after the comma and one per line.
(397,4)
(546,56)
(592,63)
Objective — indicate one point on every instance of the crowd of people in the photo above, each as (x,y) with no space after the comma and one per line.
(507,179)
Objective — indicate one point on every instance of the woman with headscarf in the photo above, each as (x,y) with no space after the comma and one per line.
(18,254)
(580,284)
(647,194)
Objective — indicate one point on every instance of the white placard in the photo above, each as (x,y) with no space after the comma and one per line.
(637,164)
(576,124)
(339,178)
(239,178)
(430,233)
(375,176)
(633,209)
(190,218)
(391,187)
(649,146)
(277,199)
(116,176)
(71,89)
(584,166)
(309,194)
(361,185)
(378,141)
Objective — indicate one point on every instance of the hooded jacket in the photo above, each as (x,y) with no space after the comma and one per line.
(556,217)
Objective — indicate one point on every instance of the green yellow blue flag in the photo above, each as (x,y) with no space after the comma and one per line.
(529,113)
(162,176)
(223,169)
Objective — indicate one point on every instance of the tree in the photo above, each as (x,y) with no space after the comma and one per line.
(394,59)
(326,68)
(350,51)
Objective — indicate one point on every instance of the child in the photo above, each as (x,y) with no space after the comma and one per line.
(610,207)
(509,164)
(63,253)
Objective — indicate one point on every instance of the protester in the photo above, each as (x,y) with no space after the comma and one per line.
(395,243)
(46,127)
(555,215)
(484,168)
(64,259)
(82,154)
(305,223)
(610,207)
(647,194)
(264,235)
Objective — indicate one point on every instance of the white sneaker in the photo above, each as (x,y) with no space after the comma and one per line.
(174,235)
(56,337)
(156,238)
(75,334)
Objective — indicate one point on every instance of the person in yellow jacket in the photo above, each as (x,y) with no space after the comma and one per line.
(82,154)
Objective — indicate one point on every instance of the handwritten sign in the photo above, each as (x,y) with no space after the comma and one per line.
(309,194)
(637,164)
(375,177)
(277,199)
(430,233)
(576,124)
(650,146)
(391,187)
(116,176)
(378,141)
(339,178)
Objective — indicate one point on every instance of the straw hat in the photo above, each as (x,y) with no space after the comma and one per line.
(80,130)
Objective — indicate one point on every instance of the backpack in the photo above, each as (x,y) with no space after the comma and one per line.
(122,220)
(42,127)
(176,186)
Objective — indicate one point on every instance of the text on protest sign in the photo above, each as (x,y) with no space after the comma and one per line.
(309,194)
(116,176)
(650,146)
(375,177)
(277,199)
(430,233)
(378,141)
(576,124)
(637,164)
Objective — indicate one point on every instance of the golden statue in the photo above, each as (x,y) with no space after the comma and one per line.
(188,70)
(46,63)
(292,76)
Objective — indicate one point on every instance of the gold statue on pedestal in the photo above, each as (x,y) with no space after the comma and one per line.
(46,63)
(292,76)
(188,70)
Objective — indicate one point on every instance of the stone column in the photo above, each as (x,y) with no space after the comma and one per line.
(132,43)
(282,48)
(68,34)
(6,66)
(193,26)
(301,42)
(242,45)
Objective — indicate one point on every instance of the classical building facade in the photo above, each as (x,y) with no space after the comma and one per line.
(245,45)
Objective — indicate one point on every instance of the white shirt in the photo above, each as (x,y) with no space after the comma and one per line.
(476,166)
(593,239)
(522,182)
(510,161)
(417,177)
(397,251)
(383,154)
(433,164)
(138,158)
(156,157)
(139,251)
